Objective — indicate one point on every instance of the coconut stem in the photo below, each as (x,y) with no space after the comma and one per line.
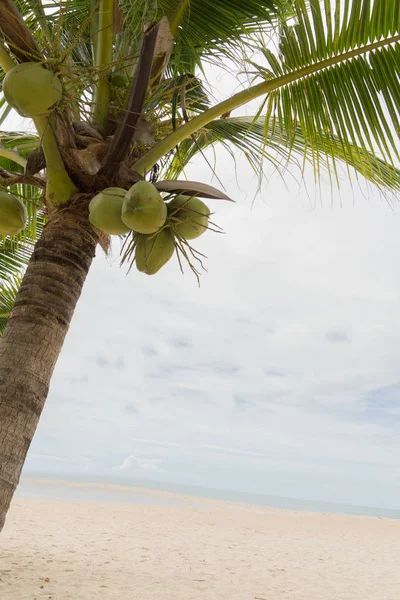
(59,186)
(6,62)
(103,60)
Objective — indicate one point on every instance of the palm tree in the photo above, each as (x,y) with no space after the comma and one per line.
(134,106)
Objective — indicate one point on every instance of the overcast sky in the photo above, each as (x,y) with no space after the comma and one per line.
(279,375)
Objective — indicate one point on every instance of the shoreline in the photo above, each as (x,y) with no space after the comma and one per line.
(107,489)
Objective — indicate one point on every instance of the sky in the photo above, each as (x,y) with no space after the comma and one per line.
(278,375)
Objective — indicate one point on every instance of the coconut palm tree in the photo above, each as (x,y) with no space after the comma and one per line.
(135,105)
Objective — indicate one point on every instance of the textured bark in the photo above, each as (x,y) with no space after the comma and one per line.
(35,334)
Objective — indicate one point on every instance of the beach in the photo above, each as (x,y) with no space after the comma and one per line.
(77,550)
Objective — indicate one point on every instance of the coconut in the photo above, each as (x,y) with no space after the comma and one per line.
(12,214)
(31,89)
(120,79)
(188,216)
(143,209)
(154,251)
(105,211)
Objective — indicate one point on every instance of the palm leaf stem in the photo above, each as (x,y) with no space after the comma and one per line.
(178,16)
(103,60)
(36,7)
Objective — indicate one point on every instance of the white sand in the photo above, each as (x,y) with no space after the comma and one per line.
(230,552)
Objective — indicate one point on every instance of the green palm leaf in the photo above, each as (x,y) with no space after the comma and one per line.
(202,29)
(8,292)
(283,148)
(208,30)
(203,32)
(16,251)
(333,82)
(352,91)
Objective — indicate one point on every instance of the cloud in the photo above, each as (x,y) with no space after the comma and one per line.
(225,369)
(241,402)
(337,337)
(273,373)
(180,343)
(102,362)
(384,398)
(149,351)
(132,464)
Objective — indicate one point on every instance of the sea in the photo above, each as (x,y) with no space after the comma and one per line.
(116,490)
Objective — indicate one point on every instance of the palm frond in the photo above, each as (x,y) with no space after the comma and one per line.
(283,148)
(15,251)
(5,108)
(209,30)
(334,80)
(348,105)
(185,91)
(8,292)
(15,148)
(19,141)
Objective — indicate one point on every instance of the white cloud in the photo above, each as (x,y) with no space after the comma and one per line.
(132,464)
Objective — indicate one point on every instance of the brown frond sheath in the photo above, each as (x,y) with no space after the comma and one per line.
(118,22)
(17,34)
(162,53)
(130,115)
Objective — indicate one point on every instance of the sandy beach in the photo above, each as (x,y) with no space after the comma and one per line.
(62,550)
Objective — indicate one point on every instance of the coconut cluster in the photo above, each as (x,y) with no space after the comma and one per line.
(13,215)
(156,224)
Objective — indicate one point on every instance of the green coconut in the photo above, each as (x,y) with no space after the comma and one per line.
(105,211)
(154,251)
(143,209)
(12,214)
(120,79)
(31,89)
(189,216)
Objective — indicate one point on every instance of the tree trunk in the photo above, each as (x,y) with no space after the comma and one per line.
(35,334)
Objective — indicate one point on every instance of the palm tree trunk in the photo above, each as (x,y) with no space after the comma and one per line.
(35,334)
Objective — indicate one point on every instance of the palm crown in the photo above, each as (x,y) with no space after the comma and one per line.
(325,73)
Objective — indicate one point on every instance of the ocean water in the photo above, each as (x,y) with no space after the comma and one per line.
(167,494)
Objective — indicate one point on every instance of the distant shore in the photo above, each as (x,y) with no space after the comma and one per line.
(69,550)
(160,493)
